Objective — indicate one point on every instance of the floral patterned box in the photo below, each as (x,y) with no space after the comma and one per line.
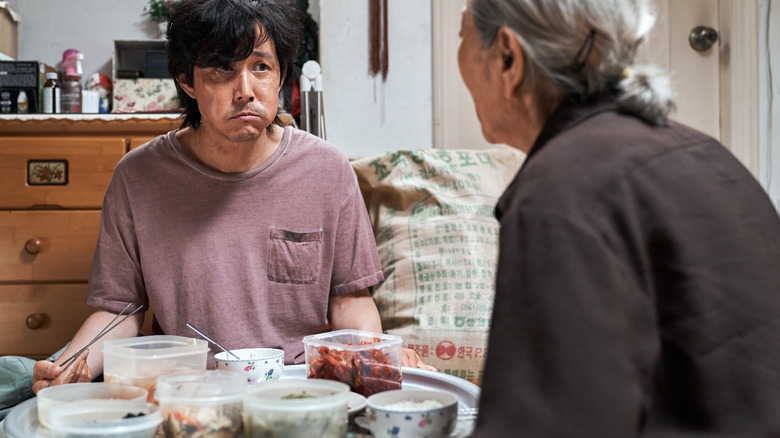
(144,95)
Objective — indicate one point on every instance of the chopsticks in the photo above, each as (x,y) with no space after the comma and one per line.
(467,414)
(210,340)
(71,360)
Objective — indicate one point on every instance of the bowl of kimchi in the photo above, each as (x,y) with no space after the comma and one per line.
(368,362)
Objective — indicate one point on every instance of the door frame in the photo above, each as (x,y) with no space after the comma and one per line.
(740,80)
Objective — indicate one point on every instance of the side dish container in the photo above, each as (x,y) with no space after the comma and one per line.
(201,403)
(296,409)
(57,395)
(367,362)
(140,361)
(101,418)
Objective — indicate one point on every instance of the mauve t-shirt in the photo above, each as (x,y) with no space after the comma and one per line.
(248,258)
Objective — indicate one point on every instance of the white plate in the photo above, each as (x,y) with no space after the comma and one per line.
(356,403)
(415,378)
(22,421)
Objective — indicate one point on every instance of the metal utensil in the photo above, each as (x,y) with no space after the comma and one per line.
(212,341)
(71,360)
(468,414)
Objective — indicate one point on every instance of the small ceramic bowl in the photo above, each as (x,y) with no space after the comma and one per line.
(258,364)
(412,413)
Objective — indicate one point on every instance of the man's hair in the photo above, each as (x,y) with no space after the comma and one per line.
(216,33)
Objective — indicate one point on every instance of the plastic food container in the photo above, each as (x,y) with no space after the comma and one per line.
(60,394)
(201,403)
(104,418)
(367,362)
(296,409)
(140,361)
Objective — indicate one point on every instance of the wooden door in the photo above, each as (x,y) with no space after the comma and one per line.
(717,90)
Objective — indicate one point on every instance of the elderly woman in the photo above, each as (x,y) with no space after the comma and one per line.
(638,285)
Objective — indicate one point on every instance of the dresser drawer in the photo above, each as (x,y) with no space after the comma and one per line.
(47,245)
(70,172)
(38,320)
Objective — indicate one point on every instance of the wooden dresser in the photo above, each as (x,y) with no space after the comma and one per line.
(54,171)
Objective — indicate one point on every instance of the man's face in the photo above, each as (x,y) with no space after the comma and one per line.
(239,101)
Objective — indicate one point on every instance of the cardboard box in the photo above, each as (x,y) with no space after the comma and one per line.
(144,95)
(22,76)
(9,32)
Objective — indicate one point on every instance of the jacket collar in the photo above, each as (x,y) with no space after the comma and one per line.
(571,112)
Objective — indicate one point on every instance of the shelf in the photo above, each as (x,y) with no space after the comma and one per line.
(80,124)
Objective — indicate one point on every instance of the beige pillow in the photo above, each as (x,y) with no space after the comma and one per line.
(437,237)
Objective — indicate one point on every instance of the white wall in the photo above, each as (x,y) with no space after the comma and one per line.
(49,27)
(363,115)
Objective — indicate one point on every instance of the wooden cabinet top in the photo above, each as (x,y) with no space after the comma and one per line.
(87,124)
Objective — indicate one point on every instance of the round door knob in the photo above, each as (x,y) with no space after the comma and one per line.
(33,246)
(36,321)
(702,38)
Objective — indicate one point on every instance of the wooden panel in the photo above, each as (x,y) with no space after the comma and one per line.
(79,125)
(62,311)
(146,328)
(89,162)
(138,141)
(67,244)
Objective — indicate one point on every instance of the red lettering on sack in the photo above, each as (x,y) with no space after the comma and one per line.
(446,350)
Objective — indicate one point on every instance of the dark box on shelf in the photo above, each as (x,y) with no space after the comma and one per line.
(17,77)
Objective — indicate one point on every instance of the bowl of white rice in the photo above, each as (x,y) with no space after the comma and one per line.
(412,413)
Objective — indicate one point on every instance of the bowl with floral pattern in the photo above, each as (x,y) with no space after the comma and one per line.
(412,413)
(257,364)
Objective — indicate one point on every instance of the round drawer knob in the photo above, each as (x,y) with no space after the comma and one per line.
(33,246)
(36,321)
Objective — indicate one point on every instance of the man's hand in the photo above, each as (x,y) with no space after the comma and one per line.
(409,358)
(47,373)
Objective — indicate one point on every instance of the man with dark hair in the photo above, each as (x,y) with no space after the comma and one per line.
(252,231)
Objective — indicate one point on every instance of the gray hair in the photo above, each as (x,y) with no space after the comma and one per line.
(582,47)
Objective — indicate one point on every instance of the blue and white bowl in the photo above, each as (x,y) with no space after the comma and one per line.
(412,413)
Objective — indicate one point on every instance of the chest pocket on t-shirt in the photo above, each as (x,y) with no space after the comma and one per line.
(294,257)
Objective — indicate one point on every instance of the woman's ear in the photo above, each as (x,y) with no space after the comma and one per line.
(512,60)
(186,86)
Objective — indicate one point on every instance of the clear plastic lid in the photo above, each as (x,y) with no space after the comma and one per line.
(296,395)
(155,347)
(104,418)
(60,394)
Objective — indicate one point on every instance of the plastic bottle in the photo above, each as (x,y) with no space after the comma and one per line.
(51,94)
(22,103)
(71,95)
(71,84)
